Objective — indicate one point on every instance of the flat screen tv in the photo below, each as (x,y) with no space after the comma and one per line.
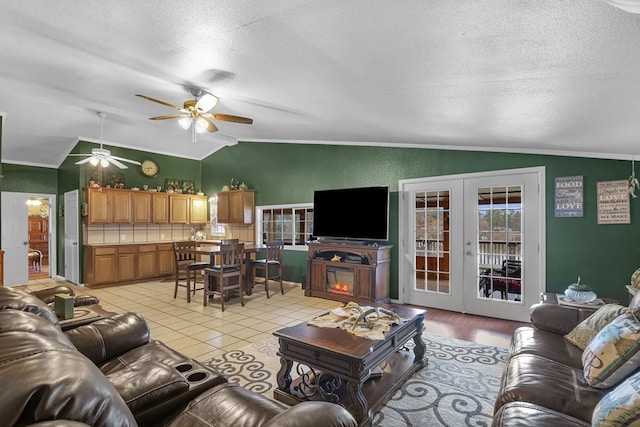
(351,213)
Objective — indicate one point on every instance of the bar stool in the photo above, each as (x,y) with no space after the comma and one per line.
(186,262)
(272,262)
(217,278)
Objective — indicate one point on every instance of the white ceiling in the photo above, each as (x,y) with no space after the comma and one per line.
(516,75)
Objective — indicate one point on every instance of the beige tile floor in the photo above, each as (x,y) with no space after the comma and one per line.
(202,332)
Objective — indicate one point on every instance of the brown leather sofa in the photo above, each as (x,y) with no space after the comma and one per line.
(110,373)
(543,383)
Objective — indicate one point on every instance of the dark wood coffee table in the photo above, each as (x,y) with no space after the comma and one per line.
(336,366)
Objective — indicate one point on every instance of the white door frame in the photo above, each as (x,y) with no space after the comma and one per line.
(406,246)
(15,219)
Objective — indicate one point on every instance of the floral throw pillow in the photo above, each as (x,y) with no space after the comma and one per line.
(621,406)
(584,332)
(614,353)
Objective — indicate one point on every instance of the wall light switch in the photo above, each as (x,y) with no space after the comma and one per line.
(162,236)
(123,237)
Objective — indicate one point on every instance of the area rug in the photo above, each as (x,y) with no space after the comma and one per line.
(457,387)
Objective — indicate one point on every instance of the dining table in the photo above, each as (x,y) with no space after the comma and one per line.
(213,249)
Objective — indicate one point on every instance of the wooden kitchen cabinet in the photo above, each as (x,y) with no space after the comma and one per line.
(116,206)
(114,264)
(236,207)
(141,207)
(121,207)
(147,260)
(127,262)
(106,206)
(179,209)
(166,259)
(198,210)
(160,208)
(98,209)
(100,265)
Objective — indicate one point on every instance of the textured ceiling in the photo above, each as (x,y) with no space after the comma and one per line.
(528,76)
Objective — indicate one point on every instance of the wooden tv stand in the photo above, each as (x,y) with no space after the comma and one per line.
(348,271)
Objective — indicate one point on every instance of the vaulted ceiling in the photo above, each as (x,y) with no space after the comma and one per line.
(511,75)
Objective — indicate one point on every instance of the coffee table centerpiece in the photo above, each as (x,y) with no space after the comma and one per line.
(335,365)
(364,321)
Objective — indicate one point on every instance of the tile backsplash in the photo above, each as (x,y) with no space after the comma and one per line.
(95,234)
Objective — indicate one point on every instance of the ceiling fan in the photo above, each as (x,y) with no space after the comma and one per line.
(102,156)
(195,113)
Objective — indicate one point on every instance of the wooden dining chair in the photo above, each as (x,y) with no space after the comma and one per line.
(187,265)
(219,279)
(271,265)
(229,241)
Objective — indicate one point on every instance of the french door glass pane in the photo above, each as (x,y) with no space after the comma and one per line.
(431,266)
(499,226)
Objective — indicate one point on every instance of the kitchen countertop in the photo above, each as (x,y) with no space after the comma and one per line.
(206,242)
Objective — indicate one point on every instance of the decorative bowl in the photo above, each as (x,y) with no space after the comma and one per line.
(579,292)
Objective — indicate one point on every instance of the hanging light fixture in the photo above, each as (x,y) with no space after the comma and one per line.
(101,156)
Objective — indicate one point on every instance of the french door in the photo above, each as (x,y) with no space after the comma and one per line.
(473,243)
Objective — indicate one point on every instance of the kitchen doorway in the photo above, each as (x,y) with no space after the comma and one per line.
(28,236)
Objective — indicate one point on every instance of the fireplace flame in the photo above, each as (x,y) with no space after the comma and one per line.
(341,288)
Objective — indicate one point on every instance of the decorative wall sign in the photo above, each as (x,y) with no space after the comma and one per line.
(613,202)
(569,193)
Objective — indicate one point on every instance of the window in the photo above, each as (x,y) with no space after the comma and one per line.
(216,228)
(291,223)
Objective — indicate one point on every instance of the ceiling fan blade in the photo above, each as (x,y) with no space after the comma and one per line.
(78,154)
(169,116)
(206,102)
(211,127)
(235,119)
(113,161)
(135,162)
(159,102)
(83,161)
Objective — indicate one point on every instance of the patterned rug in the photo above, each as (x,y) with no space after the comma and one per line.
(457,387)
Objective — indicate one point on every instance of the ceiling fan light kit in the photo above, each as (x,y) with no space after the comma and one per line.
(195,113)
(102,156)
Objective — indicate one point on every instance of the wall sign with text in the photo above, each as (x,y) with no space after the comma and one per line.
(569,193)
(613,202)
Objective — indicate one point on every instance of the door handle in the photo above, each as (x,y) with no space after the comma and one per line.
(75,243)
(25,243)
(468,253)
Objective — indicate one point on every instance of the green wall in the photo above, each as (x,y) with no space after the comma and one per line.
(604,256)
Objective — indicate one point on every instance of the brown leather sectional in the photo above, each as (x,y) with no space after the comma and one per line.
(543,383)
(111,373)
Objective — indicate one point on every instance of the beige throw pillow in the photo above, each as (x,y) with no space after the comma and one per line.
(584,332)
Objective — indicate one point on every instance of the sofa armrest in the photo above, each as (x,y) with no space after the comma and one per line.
(557,318)
(48,294)
(313,414)
(84,300)
(108,338)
